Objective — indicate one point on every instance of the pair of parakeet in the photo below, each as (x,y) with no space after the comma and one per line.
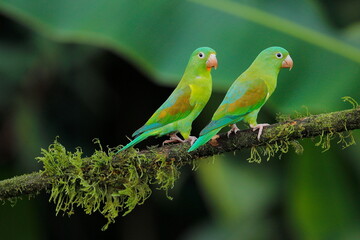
(243,100)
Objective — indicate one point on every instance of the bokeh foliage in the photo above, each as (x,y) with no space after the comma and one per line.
(57,79)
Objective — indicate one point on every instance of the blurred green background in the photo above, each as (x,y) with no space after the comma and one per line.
(84,69)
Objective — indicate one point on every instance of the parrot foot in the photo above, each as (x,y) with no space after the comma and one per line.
(260,127)
(233,129)
(191,140)
(173,139)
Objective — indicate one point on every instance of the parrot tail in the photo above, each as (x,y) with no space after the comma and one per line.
(138,139)
(203,139)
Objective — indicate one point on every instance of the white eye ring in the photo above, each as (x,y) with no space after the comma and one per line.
(201,55)
(278,55)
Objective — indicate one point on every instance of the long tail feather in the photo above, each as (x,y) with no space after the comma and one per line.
(138,139)
(203,139)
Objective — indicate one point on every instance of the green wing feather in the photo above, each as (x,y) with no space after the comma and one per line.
(176,107)
(251,95)
(242,98)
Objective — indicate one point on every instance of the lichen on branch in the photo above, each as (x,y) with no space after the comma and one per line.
(104,182)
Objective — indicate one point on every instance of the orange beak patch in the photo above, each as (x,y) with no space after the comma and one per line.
(211,62)
(287,63)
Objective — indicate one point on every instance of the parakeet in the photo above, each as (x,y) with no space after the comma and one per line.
(247,95)
(184,104)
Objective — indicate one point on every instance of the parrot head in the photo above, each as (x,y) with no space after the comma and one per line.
(277,57)
(204,57)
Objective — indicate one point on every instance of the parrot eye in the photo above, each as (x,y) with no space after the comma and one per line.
(201,55)
(278,55)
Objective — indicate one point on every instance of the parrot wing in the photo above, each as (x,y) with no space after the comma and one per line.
(176,107)
(242,98)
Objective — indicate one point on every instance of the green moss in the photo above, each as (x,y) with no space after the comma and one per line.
(345,139)
(100,184)
(279,140)
(280,117)
(254,155)
(13,201)
(257,153)
(324,141)
(12,185)
(350,100)
(298,148)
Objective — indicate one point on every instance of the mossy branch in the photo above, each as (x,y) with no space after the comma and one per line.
(111,183)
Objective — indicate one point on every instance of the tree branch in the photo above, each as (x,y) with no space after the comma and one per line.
(27,184)
(306,127)
(127,175)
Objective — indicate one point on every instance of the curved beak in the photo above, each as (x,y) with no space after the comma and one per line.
(211,62)
(287,63)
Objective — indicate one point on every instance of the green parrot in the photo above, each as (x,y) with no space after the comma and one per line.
(184,104)
(247,95)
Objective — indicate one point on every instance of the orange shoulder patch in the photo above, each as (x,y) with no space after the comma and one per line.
(181,105)
(251,97)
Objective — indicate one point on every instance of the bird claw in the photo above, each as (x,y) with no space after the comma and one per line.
(233,129)
(173,138)
(191,140)
(260,127)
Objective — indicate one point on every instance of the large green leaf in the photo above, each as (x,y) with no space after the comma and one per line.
(322,201)
(239,195)
(158,37)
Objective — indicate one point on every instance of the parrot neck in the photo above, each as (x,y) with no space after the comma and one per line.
(268,73)
(196,73)
(200,82)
